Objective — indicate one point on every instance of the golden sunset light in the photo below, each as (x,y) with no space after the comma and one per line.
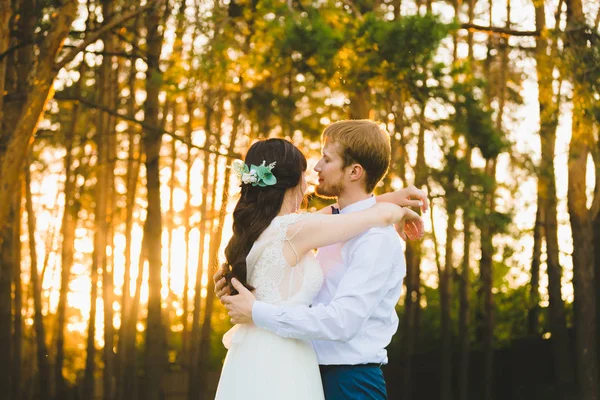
(122,128)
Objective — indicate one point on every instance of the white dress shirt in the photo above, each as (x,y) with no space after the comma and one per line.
(353,317)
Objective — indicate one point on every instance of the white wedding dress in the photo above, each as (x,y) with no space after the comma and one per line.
(259,364)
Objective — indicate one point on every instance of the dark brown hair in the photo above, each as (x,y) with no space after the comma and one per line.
(362,141)
(257,205)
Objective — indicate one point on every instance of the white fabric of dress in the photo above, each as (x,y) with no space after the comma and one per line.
(260,364)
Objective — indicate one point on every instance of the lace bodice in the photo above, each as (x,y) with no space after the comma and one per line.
(270,274)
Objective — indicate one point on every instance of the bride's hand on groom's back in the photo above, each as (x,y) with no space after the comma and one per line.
(411,227)
(221,286)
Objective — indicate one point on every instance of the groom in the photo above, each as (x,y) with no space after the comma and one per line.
(353,317)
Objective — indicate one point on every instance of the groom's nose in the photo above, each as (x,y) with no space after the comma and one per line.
(317,167)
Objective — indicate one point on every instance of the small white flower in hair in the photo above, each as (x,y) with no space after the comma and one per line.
(249,177)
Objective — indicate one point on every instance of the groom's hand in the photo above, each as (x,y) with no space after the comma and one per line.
(221,286)
(240,305)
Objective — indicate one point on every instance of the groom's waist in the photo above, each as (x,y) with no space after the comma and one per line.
(336,353)
(326,367)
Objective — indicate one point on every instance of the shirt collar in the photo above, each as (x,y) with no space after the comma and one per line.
(359,205)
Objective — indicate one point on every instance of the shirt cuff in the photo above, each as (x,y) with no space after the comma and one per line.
(264,316)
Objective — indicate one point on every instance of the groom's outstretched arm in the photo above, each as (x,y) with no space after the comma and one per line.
(371,263)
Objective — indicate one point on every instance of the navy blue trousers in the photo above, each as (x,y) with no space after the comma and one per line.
(353,382)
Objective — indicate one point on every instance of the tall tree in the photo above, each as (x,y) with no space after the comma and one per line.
(131,183)
(489,224)
(464,285)
(195,386)
(171,213)
(187,215)
(464,303)
(17,343)
(533,313)
(69,224)
(549,106)
(583,143)
(40,332)
(90,363)
(6,12)
(155,350)
(8,257)
(412,301)
(196,327)
(108,76)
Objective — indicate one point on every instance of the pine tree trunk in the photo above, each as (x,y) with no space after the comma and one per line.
(8,257)
(40,334)
(582,219)
(133,170)
(486,298)
(90,364)
(171,213)
(108,79)
(412,301)
(464,311)
(488,230)
(17,342)
(99,253)
(597,256)
(583,263)
(69,224)
(155,350)
(187,216)
(597,252)
(204,343)
(130,377)
(533,314)
(5,17)
(465,276)
(206,224)
(195,336)
(445,306)
(583,260)
(549,111)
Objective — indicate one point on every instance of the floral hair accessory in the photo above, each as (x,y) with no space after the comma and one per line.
(256,175)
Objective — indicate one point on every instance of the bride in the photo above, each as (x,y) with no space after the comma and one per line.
(270,254)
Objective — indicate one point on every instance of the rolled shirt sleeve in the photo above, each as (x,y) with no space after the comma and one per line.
(360,290)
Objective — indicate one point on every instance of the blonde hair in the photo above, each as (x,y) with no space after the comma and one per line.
(363,142)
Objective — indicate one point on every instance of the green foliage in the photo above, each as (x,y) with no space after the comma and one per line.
(400,49)
(312,43)
(475,121)
(510,318)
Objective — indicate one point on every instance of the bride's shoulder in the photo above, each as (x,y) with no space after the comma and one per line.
(290,218)
(284,223)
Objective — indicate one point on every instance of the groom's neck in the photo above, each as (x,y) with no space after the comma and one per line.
(352,196)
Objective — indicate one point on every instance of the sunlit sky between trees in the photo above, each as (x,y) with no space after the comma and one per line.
(521,122)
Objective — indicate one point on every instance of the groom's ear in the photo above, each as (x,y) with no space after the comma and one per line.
(357,172)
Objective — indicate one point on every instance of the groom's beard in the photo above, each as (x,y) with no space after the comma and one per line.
(330,191)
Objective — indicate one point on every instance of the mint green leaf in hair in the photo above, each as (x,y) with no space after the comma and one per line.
(264,175)
(268,179)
